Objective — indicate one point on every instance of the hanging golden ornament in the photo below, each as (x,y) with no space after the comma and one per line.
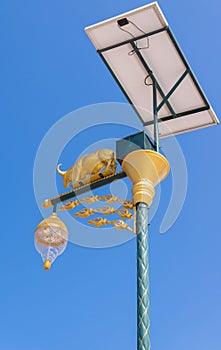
(121,225)
(84,213)
(127,204)
(109,198)
(98,222)
(69,205)
(89,199)
(124,213)
(105,210)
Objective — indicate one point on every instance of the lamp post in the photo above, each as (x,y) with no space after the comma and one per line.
(145,168)
(144,58)
(147,63)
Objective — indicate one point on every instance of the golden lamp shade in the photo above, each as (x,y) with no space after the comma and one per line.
(145,168)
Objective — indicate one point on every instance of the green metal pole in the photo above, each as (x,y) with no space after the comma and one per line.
(143,300)
(155,115)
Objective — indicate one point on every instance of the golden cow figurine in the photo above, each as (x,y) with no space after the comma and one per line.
(89,164)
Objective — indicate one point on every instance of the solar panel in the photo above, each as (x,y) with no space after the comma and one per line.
(138,48)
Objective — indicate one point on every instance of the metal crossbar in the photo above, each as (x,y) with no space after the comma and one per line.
(84,188)
(179,81)
(155,83)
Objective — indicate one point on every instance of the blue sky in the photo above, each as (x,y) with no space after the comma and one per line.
(88,299)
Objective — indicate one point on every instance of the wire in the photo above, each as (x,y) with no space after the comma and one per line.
(128,32)
(145,81)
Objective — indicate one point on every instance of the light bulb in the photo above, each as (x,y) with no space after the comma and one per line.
(51,237)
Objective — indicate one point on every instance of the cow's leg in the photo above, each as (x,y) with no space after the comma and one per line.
(107,163)
(98,168)
(111,164)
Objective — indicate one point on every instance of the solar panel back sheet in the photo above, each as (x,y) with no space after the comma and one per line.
(138,45)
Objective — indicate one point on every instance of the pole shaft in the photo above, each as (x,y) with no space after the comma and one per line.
(143,300)
(155,116)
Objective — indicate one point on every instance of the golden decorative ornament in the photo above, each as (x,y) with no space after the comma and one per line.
(84,213)
(124,213)
(89,199)
(121,225)
(109,198)
(98,222)
(89,164)
(69,205)
(105,210)
(118,224)
(46,204)
(47,264)
(127,204)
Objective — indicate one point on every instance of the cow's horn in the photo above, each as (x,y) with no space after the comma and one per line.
(60,172)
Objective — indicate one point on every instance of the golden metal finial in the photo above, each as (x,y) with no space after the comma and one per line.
(46,204)
(47,264)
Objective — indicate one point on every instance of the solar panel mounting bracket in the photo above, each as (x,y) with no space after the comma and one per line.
(176,98)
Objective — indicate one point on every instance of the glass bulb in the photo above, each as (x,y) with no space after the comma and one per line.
(50,240)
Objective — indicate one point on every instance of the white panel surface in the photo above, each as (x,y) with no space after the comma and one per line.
(164,60)
(184,124)
(107,33)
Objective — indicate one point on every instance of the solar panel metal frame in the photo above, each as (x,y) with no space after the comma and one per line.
(157,88)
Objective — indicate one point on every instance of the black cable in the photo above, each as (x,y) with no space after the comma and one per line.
(145,81)
(128,32)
